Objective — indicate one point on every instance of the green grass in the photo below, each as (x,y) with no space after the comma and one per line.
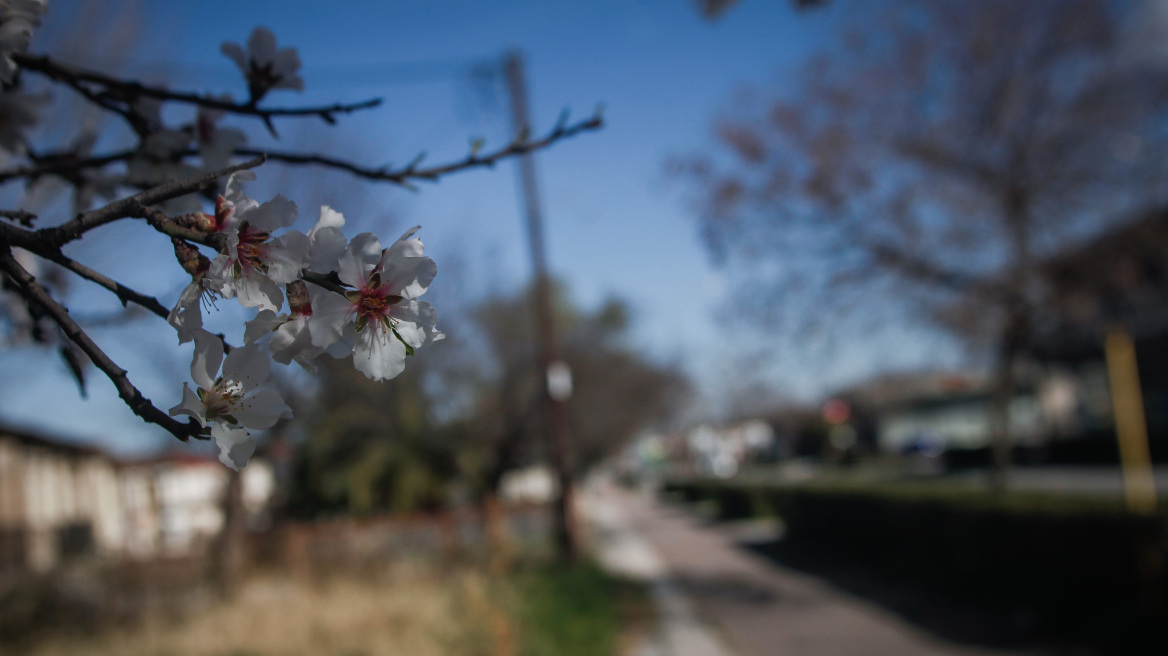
(573,610)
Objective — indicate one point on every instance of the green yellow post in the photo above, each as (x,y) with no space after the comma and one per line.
(1128,404)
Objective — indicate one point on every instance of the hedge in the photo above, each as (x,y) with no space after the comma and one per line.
(1083,564)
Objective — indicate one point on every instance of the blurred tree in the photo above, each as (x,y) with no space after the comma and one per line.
(933,158)
(372,447)
(615,390)
(712,9)
(393,447)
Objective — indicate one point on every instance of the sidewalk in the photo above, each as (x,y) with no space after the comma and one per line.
(761,609)
(621,550)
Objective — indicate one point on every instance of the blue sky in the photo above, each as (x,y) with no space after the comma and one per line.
(616,225)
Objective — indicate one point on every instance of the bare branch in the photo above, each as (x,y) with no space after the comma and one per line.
(933,154)
(411,172)
(330,282)
(20,216)
(131,207)
(921,270)
(124,293)
(167,226)
(81,80)
(63,164)
(126,390)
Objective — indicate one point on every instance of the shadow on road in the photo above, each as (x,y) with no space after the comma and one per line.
(996,624)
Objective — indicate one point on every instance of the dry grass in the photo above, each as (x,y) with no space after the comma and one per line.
(411,610)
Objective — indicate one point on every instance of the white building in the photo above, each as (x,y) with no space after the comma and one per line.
(59,501)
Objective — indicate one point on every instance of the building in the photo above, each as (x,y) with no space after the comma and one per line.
(60,501)
(57,501)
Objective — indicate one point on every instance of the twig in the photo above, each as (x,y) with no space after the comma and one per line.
(79,78)
(325,281)
(20,216)
(126,390)
(63,164)
(411,172)
(164,224)
(124,293)
(127,207)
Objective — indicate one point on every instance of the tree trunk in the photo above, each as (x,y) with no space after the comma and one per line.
(499,546)
(1005,388)
(227,552)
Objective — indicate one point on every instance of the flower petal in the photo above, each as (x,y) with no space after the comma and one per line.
(287,257)
(235,445)
(235,52)
(248,366)
(264,323)
(190,405)
(359,259)
(262,410)
(261,45)
(187,315)
(327,246)
(293,341)
(208,356)
(408,276)
(329,218)
(272,215)
(379,355)
(254,289)
(417,322)
(330,313)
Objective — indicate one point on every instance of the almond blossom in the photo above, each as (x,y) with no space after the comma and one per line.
(287,335)
(216,144)
(187,315)
(263,65)
(255,263)
(381,313)
(17,20)
(229,400)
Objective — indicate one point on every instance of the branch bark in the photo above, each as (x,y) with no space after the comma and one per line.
(80,79)
(127,207)
(138,403)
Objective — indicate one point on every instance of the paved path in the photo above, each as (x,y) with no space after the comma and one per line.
(622,550)
(759,607)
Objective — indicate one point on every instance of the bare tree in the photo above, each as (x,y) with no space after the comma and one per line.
(934,158)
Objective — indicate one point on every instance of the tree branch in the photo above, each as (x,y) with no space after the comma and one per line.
(922,270)
(79,79)
(325,281)
(20,216)
(62,164)
(412,172)
(140,405)
(124,293)
(130,207)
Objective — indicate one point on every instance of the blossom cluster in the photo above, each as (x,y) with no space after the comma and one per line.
(344,297)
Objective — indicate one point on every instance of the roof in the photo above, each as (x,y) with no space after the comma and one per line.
(1118,278)
(40,441)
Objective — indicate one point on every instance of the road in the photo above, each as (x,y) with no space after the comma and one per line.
(718,599)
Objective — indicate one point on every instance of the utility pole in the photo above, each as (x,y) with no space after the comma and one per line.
(552,370)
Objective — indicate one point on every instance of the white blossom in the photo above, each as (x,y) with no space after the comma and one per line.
(19,112)
(17,20)
(216,144)
(230,401)
(287,336)
(255,263)
(265,66)
(381,312)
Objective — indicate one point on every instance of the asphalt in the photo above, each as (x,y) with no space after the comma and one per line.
(717,599)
